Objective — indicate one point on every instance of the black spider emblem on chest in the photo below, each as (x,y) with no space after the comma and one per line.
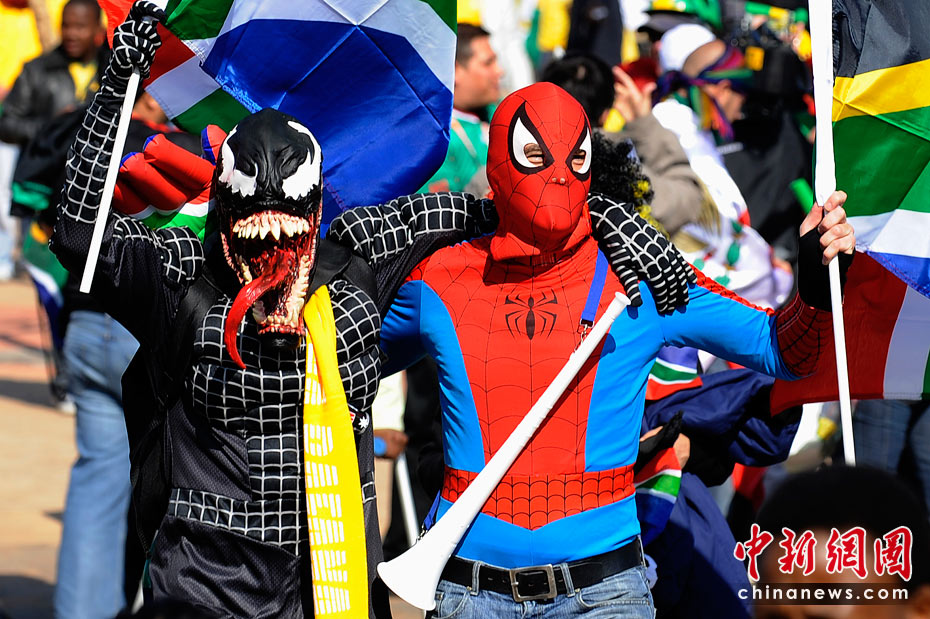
(531,316)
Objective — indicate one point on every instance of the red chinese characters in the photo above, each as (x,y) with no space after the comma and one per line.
(847,551)
(844,551)
(893,553)
(799,551)
(751,549)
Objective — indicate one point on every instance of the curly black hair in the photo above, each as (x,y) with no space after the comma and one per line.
(617,173)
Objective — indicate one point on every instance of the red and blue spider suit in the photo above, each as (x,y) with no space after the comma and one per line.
(500,315)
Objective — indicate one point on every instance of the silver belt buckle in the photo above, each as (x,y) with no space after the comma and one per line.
(550,576)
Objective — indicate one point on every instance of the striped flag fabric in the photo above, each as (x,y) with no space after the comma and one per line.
(49,277)
(881,130)
(881,116)
(675,368)
(371,78)
(888,338)
(657,485)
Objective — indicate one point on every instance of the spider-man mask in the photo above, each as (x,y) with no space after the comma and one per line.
(542,205)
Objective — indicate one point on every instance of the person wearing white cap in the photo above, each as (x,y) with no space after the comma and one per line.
(701,73)
(680,42)
(702,86)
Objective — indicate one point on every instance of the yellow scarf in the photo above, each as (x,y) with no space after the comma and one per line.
(334,494)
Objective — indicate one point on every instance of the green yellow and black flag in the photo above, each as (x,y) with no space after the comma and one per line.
(881,131)
(881,116)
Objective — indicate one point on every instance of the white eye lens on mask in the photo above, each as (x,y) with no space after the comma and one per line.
(586,147)
(521,138)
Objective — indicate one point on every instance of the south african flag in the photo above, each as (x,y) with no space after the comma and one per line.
(881,130)
(881,116)
(371,78)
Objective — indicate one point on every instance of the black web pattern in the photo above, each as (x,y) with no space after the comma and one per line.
(178,249)
(382,232)
(86,168)
(636,250)
(264,405)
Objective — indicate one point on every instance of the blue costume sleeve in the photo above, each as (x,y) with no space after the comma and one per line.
(400,330)
(728,328)
(418,324)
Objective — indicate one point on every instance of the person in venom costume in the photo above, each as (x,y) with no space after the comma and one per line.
(234,541)
(501,314)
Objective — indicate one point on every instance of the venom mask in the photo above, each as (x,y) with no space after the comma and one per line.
(539,168)
(268,198)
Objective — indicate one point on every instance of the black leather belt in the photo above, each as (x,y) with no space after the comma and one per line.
(544,582)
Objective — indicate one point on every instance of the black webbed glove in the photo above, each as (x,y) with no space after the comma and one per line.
(814,275)
(135,42)
(484,215)
(637,251)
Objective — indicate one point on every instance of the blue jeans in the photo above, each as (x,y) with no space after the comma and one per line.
(883,428)
(90,560)
(8,225)
(625,595)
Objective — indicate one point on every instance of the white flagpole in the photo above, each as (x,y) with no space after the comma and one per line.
(109,184)
(407,504)
(821,18)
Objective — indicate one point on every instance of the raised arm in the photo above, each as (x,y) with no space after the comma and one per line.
(785,343)
(138,267)
(678,193)
(396,236)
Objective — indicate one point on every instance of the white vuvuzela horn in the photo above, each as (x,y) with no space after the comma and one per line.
(415,574)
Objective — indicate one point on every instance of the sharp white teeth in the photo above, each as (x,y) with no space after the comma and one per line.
(246,274)
(260,225)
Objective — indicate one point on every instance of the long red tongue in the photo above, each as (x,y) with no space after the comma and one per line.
(280,265)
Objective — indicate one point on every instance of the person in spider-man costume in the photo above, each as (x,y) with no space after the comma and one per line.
(501,314)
